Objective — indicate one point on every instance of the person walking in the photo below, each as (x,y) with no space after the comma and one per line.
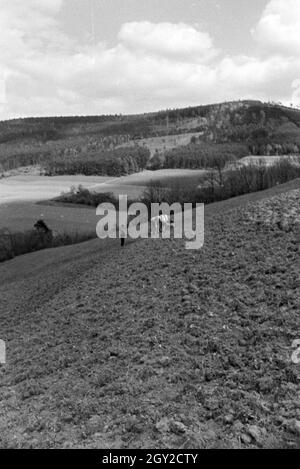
(122,235)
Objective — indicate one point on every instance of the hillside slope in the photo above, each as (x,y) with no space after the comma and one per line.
(156,346)
(263,128)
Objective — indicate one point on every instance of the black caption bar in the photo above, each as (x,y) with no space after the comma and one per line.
(138,458)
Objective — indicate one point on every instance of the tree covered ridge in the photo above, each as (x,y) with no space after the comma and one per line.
(86,143)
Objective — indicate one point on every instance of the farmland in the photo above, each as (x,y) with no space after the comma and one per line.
(35,188)
(199,358)
(19,194)
(19,210)
(153,345)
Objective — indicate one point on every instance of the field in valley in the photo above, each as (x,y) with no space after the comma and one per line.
(164,176)
(155,346)
(35,187)
(19,209)
(19,194)
(20,216)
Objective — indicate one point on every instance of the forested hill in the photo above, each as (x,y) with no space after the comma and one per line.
(226,121)
(262,128)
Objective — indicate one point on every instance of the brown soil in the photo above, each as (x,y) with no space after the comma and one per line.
(155,346)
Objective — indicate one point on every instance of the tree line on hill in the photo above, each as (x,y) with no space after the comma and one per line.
(199,156)
(117,162)
(227,114)
(80,143)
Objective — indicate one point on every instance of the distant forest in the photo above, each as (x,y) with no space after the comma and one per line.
(118,162)
(113,145)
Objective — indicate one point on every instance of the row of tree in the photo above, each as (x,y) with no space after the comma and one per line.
(198,156)
(222,185)
(216,185)
(117,162)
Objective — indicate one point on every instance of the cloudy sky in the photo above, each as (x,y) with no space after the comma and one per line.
(71,57)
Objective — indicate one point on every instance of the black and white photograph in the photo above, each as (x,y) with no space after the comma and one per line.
(149,227)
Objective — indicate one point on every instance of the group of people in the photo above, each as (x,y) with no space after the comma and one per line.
(158,224)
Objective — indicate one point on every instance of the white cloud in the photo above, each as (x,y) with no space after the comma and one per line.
(2,94)
(152,66)
(29,28)
(296,93)
(167,39)
(279,27)
(263,76)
